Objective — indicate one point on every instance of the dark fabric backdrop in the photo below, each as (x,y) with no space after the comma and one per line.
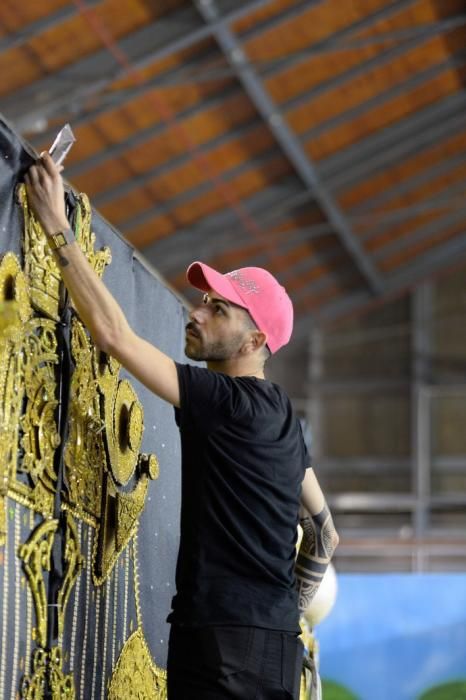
(100,620)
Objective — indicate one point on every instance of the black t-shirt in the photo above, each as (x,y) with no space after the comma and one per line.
(243,462)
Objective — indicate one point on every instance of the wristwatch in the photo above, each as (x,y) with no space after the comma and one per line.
(61,238)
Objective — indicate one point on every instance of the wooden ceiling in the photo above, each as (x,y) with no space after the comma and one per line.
(322,139)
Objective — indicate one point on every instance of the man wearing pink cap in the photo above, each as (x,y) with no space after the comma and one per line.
(245,470)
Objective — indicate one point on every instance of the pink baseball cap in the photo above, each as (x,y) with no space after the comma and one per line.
(254,289)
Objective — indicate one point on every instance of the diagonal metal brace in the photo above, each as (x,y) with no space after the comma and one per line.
(288,142)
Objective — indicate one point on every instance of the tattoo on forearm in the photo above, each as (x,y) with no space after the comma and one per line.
(316,550)
(62,261)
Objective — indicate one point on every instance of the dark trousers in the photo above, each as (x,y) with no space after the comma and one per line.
(228,662)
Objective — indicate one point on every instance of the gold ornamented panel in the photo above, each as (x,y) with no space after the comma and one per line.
(105,476)
(29,434)
(135,675)
(36,555)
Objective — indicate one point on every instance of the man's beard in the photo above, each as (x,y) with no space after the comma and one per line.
(218,351)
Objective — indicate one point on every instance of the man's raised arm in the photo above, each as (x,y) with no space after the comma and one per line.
(97,308)
(319,541)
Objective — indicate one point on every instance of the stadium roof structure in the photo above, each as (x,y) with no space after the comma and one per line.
(322,139)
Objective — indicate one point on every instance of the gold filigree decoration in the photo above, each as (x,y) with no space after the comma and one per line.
(13,292)
(129,508)
(48,665)
(40,436)
(28,356)
(40,267)
(74,564)
(105,432)
(33,686)
(98,259)
(61,684)
(136,676)
(36,555)
(84,455)
(102,451)
(124,426)
(9,320)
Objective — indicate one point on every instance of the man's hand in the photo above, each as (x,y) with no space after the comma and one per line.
(45,193)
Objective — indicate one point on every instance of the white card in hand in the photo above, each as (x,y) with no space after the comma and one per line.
(62,144)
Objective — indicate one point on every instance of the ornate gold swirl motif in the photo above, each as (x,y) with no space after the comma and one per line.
(84,452)
(47,664)
(40,267)
(124,432)
(9,320)
(105,432)
(102,450)
(36,555)
(74,563)
(28,356)
(86,238)
(13,292)
(129,508)
(40,437)
(136,676)
(61,684)
(33,686)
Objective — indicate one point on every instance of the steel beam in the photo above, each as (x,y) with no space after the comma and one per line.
(366,465)
(39,26)
(352,387)
(422,233)
(113,101)
(174,250)
(108,102)
(152,131)
(159,171)
(409,145)
(45,97)
(376,463)
(289,143)
(405,137)
(268,206)
(233,240)
(426,265)
(449,199)
(280,243)
(394,502)
(207,234)
(407,186)
(204,187)
(314,403)
(420,410)
(414,81)
(334,83)
(142,136)
(388,146)
(321,89)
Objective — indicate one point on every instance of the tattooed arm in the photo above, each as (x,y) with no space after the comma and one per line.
(320,540)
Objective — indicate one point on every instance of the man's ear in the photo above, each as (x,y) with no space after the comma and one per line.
(256,341)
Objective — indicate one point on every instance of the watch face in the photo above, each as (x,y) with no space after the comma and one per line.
(57,240)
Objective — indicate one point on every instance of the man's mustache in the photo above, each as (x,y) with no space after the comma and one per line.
(192,327)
